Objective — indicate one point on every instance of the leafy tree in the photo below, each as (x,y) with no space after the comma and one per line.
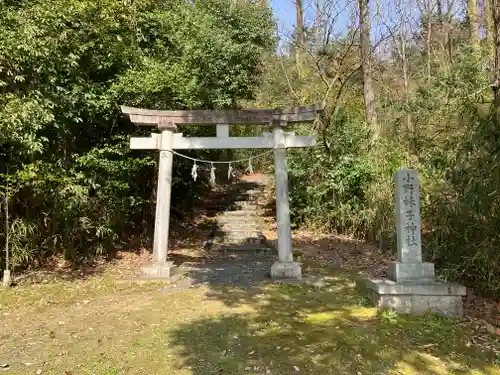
(67,65)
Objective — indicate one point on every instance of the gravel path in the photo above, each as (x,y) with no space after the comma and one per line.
(242,269)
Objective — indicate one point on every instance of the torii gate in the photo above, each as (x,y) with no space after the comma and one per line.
(168,140)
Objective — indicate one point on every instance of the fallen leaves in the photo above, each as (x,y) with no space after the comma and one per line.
(489,327)
(342,252)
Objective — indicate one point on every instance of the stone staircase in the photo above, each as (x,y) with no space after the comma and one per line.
(240,226)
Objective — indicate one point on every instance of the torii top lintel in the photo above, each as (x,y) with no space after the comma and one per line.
(163,119)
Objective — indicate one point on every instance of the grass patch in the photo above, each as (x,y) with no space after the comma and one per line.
(105,328)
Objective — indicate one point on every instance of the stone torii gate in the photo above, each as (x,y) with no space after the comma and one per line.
(168,140)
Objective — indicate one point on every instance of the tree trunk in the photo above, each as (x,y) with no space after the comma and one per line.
(495,9)
(429,38)
(299,37)
(439,6)
(473,26)
(318,27)
(487,18)
(488,27)
(404,62)
(366,65)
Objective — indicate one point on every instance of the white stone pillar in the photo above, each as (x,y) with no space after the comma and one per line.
(160,267)
(409,266)
(222,130)
(285,267)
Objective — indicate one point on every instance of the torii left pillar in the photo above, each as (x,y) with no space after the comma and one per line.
(160,268)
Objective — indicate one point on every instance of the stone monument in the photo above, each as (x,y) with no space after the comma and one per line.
(411,286)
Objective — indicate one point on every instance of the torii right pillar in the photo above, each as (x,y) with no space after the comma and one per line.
(285,267)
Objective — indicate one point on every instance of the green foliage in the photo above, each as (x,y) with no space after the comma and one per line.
(331,179)
(438,124)
(66,66)
(464,209)
(22,241)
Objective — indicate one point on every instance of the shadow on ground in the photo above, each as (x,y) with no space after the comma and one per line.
(325,326)
(321,330)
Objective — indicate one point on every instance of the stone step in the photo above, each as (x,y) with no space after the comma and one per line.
(240,213)
(245,203)
(238,207)
(258,238)
(255,227)
(242,247)
(241,241)
(252,227)
(239,219)
(252,198)
(241,235)
(242,221)
(228,215)
(255,203)
(236,243)
(239,230)
(246,189)
(242,199)
(245,196)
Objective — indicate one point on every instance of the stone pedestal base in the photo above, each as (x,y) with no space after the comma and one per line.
(157,270)
(403,272)
(286,270)
(6,280)
(416,298)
